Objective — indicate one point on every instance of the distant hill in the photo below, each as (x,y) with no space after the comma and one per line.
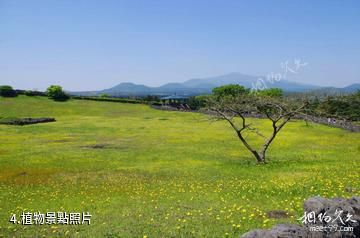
(353,88)
(232,78)
(128,89)
(131,89)
(248,81)
(205,85)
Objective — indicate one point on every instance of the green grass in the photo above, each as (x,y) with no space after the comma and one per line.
(158,173)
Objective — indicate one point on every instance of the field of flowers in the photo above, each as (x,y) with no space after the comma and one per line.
(141,172)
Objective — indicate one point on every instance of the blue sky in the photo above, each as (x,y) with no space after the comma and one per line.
(89,45)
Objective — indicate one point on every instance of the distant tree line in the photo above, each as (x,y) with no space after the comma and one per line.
(107,99)
(56,93)
(346,107)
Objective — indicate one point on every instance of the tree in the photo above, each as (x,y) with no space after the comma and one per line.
(234,110)
(7,91)
(271,92)
(346,107)
(56,93)
(197,102)
(231,90)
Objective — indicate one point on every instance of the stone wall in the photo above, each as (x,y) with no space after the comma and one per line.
(320,219)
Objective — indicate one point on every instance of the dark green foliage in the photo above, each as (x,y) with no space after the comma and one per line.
(7,91)
(30,93)
(156,103)
(342,107)
(197,102)
(56,93)
(151,98)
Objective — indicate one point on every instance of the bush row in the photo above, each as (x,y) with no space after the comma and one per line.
(123,100)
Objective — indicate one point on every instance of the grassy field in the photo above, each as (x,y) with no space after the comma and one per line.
(141,172)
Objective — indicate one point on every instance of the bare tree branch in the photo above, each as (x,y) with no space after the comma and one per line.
(278,112)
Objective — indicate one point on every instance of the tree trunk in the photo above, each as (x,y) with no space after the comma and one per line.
(259,157)
(262,157)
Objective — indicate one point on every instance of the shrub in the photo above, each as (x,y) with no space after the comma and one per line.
(7,91)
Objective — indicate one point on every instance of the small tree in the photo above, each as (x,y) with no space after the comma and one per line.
(7,91)
(56,93)
(234,110)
